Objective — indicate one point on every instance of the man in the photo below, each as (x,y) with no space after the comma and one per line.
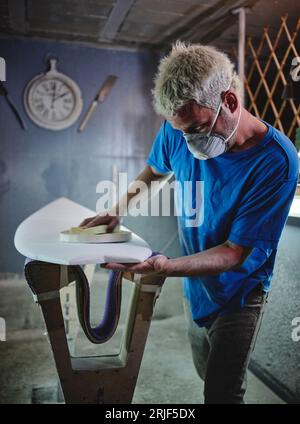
(250,173)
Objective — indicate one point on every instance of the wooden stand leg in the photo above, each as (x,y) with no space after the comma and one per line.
(108,379)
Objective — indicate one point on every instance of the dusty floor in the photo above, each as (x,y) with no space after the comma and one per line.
(167,373)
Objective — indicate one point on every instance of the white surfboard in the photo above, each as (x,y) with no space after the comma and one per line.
(38,237)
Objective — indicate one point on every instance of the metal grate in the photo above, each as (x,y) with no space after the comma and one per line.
(268,72)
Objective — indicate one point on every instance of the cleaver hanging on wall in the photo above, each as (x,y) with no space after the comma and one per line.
(100,97)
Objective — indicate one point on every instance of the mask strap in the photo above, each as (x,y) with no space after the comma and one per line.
(237,124)
(215,119)
(218,111)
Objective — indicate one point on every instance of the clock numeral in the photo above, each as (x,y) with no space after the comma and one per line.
(59,88)
(46,113)
(38,100)
(40,107)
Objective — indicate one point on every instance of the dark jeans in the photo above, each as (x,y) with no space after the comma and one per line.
(221,354)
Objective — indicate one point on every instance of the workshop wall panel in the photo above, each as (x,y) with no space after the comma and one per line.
(39,165)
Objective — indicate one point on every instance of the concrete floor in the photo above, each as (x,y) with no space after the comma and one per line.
(167,373)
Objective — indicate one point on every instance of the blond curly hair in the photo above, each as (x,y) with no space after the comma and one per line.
(192,72)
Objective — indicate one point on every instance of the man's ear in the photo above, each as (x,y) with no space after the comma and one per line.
(230,100)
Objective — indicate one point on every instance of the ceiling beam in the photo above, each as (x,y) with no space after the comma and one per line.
(181,24)
(200,17)
(116,19)
(17,15)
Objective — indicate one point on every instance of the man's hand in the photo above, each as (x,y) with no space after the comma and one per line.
(109,220)
(154,265)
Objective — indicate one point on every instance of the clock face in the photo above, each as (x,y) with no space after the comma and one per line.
(53,101)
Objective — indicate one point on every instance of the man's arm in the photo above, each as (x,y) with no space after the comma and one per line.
(111,218)
(213,261)
(148,175)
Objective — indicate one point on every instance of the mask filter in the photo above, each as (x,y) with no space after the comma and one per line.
(209,145)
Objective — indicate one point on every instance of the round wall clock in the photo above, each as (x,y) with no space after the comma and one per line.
(53,100)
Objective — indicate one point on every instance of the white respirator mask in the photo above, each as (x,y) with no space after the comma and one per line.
(209,145)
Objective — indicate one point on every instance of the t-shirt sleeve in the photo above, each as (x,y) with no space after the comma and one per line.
(262,214)
(159,157)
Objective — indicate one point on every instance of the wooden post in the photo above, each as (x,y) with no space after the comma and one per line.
(241,48)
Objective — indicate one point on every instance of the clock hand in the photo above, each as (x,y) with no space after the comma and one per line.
(53,94)
(61,95)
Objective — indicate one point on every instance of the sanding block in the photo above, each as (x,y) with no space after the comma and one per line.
(96,234)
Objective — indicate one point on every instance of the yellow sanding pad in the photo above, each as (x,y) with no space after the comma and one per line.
(96,234)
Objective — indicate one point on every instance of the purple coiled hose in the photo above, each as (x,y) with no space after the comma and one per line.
(109,322)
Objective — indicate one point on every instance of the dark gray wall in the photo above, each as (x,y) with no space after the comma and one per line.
(276,357)
(37,166)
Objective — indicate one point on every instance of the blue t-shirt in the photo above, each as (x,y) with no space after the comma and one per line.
(244,197)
